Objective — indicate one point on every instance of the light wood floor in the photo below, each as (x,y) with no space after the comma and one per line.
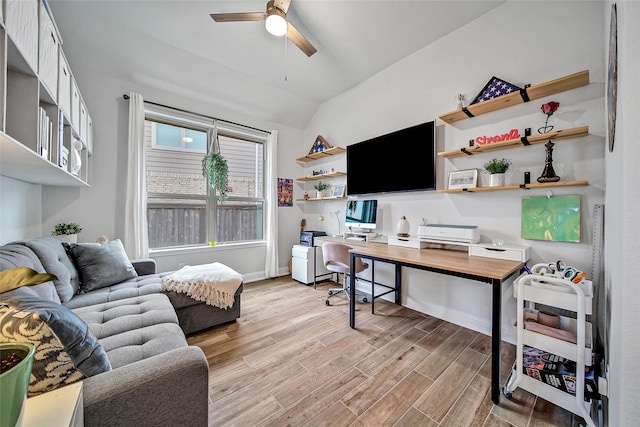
(292,361)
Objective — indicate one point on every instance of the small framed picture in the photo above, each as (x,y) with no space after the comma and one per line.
(463,179)
(338,190)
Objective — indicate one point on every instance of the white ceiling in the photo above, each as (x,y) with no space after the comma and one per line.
(175,46)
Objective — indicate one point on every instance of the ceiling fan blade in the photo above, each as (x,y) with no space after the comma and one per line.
(283,5)
(236,17)
(299,40)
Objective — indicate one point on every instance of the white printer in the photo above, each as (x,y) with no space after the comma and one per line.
(450,233)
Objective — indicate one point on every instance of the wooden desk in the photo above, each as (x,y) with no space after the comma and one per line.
(451,263)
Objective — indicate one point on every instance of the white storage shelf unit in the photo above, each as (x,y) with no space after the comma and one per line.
(40,103)
(563,294)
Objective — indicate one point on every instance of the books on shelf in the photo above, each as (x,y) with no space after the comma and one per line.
(45,135)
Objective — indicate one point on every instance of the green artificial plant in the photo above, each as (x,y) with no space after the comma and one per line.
(216,170)
(320,186)
(65,229)
(497,166)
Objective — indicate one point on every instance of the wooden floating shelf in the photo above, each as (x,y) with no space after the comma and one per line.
(532,140)
(323,176)
(517,186)
(533,92)
(319,155)
(315,199)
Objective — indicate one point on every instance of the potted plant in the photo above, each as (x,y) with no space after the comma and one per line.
(496,169)
(16,359)
(320,187)
(216,170)
(67,233)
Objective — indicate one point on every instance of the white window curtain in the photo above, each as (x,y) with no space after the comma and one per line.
(271,206)
(136,241)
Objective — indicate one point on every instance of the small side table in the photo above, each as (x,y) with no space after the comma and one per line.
(62,407)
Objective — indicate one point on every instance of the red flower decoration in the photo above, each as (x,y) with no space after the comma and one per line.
(550,107)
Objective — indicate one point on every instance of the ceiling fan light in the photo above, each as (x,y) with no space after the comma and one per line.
(276,25)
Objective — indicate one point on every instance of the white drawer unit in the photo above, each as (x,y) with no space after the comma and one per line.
(48,54)
(407,242)
(307,264)
(507,252)
(21,22)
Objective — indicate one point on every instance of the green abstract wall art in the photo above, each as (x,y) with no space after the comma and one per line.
(555,218)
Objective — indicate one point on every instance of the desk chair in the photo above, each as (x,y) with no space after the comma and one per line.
(336,259)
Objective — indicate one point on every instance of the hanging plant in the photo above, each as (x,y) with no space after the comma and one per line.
(215,169)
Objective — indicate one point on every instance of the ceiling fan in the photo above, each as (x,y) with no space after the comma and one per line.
(275,21)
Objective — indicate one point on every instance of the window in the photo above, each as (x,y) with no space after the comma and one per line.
(181,208)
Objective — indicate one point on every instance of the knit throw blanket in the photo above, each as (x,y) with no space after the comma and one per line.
(215,284)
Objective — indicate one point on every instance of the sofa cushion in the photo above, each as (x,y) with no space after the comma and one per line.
(14,255)
(101,264)
(66,351)
(141,285)
(120,316)
(139,344)
(55,260)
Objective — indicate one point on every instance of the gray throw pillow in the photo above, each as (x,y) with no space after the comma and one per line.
(66,351)
(101,264)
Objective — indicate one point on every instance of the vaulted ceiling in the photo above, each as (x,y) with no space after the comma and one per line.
(174,45)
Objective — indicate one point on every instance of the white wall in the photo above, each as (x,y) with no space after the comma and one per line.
(567,37)
(20,210)
(622,243)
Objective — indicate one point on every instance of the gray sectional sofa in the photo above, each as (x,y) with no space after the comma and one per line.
(155,377)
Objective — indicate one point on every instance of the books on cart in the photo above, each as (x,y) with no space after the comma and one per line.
(556,371)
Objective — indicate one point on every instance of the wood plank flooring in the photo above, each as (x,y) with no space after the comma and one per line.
(292,361)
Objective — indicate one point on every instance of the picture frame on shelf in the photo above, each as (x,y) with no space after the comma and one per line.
(339,190)
(467,178)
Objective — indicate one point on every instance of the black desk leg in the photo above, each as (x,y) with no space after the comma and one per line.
(352,290)
(373,288)
(496,339)
(398,283)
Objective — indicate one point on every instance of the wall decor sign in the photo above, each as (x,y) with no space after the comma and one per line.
(553,218)
(463,179)
(612,75)
(285,192)
(484,140)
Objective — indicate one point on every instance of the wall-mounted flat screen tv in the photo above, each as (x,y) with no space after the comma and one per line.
(404,160)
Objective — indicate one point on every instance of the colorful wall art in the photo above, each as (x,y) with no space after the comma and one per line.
(554,218)
(285,192)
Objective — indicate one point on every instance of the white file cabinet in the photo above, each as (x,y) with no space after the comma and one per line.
(307,264)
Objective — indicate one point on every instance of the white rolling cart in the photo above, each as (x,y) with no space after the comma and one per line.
(564,294)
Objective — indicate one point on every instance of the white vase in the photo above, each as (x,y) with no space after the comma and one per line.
(403,227)
(496,180)
(319,194)
(67,238)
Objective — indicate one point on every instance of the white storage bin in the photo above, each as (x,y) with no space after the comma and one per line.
(507,252)
(64,85)
(75,106)
(21,22)
(89,134)
(48,55)
(83,123)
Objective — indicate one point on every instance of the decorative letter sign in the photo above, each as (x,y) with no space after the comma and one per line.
(484,140)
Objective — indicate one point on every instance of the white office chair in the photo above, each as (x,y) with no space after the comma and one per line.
(336,259)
